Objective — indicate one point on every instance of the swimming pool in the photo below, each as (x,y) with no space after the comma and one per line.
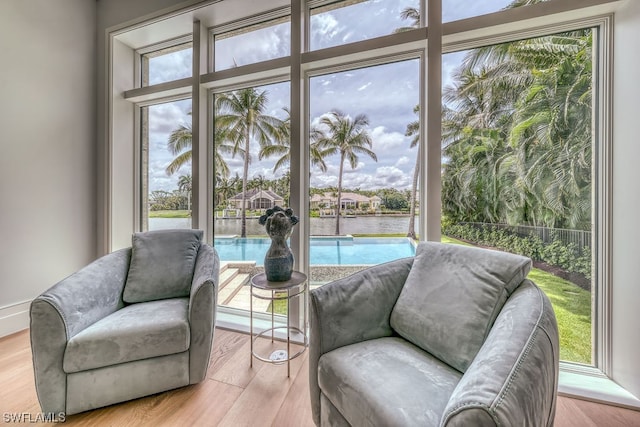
(323,251)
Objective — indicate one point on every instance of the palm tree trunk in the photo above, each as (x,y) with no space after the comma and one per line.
(245,176)
(414,189)
(339,194)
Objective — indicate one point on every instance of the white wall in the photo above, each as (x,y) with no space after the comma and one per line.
(48,150)
(626,199)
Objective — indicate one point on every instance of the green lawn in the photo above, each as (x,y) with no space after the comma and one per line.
(170,214)
(571,304)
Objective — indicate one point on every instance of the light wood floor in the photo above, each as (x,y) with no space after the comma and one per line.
(234,394)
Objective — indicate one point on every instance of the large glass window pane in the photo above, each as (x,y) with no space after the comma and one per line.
(364,147)
(251,169)
(461,9)
(166,65)
(518,166)
(248,45)
(166,165)
(351,21)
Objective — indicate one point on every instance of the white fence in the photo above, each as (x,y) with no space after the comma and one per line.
(581,238)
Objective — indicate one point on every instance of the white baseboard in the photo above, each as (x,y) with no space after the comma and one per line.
(14,318)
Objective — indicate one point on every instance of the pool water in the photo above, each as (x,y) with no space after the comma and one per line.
(323,250)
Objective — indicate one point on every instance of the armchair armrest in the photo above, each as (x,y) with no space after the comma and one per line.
(351,310)
(66,309)
(514,377)
(202,311)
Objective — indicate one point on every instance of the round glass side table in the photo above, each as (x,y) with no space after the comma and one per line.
(279,291)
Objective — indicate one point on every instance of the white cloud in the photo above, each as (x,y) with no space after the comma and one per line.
(363,87)
(389,176)
(325,27)
(346,38)
(387,141)
(402,161)
(173,66)
(166,117)
(323,180)
(364,182)
(247,48)
(460,9)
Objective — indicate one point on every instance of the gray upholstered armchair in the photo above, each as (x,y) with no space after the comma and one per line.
(132,323)
(456,336)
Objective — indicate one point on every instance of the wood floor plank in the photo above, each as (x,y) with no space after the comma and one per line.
(261,400)
(237,370)
(296,408)
(603,415)
(204,404)
(12,344)
(226,345)
(186,406)
(569,415)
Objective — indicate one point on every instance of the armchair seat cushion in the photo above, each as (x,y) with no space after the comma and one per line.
(404,384)
(136,332)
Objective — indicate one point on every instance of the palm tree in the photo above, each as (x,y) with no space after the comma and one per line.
(180,145)
(282,148)
(348,138)
(241,114)
(225,188)
(259,183)
(413,129)
(282,186)
(553,122)
(185,186)
(411,13)
(523,110)
(476,119)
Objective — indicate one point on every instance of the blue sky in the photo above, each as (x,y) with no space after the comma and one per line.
(385,94)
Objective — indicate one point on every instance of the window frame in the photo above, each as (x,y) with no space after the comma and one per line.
(141,170)
(602,165)
(124,95)
(141,73)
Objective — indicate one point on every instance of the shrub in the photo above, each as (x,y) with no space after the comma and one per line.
(557,253)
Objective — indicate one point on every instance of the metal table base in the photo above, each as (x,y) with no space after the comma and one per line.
(293,287)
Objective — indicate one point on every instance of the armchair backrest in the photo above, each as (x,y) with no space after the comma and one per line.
(162,264)
(452,296)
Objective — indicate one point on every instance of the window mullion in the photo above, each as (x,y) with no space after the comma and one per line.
(200,203)
(430,203)
(299,167)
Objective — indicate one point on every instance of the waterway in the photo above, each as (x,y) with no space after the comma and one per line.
(318,226)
